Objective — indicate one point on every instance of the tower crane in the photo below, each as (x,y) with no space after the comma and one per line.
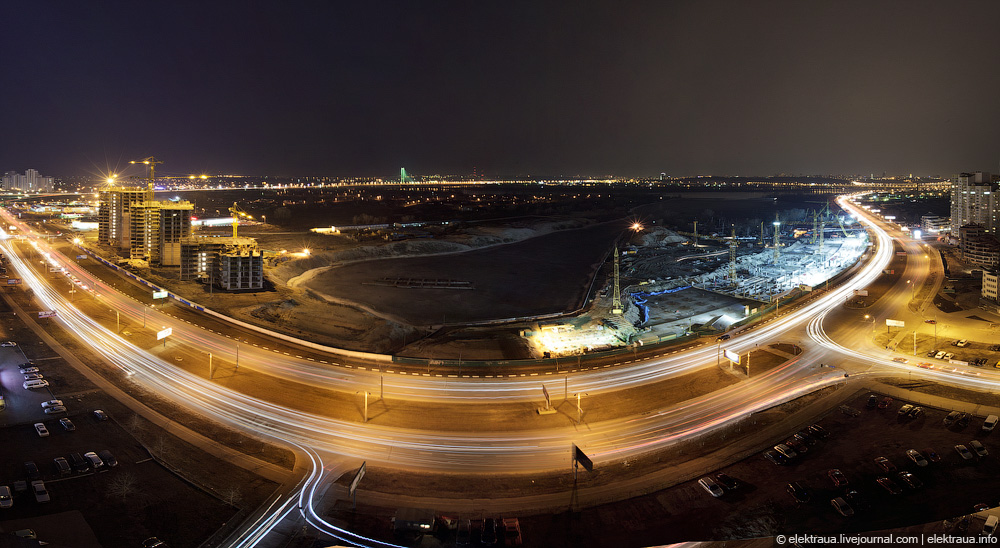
(236,211)
(151,162)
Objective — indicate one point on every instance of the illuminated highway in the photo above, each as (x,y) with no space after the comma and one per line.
(331,440)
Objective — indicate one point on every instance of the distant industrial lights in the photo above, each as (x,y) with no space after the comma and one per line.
(636,226)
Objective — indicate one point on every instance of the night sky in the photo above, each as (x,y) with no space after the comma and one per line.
(509,88)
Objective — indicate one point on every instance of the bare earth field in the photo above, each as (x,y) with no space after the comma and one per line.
(543,275)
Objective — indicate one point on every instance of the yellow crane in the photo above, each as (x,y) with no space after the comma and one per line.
(151,164)
(236,211)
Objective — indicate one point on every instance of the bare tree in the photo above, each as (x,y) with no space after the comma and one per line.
(122,485)
(159,447)
(135,424)
(231,495)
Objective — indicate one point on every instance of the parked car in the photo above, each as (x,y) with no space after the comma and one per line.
(67,424)
(932,455)
(709,485)
(100,415)
(842,507)
(837,477)
(31,470)
(785,450)
(951,418)
(962,421)
(885,402)
(804,437)
(979,448)
(889,485)
(107,458)
(961,343)
(95,461)
(463,535)
(885,464)
(80,464)
(7,344)
(798,492)
(797,446)
(872,401)
(33,377)
(940,355)
(990,423)
(54,409)
(727,481)
(964,452)
(511,532)
(910,480)
(775,457)
(41,494)
(35,385)
(904,410)
(5,499)
(62,466)
(41,429)
(29,369)
(818,431)
(916,457)
(488,533)
(915,413)
(51,403)
(990,527)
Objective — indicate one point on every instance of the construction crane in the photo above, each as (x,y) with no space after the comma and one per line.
(151,162)
(236,211)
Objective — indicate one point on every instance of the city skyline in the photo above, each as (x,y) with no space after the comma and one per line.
(517,89)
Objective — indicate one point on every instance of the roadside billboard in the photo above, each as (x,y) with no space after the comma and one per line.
(731,356)
(895,323)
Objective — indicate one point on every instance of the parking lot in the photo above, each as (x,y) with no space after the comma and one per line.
(109,508)
(762,506)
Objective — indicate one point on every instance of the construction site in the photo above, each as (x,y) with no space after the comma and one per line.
(665,285)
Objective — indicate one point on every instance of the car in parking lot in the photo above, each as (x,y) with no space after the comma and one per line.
(916,457)
(776,457)
(724,480)
(62,466)
(964,452)
(885,464)
(797,446)
(55,409)
(7,344)
(35,384)
(110,461)
(940,354)
(798,492)
(41,429)
(41,494)
(872,401)
(842,507)
(932,455)
(818,431)
(153,542)
(80,464)
(889,485)
(915,413)
(961,343)
(990,423)
(804,437)
(785,450)
(963,420)
(990,527)
(837,477)
(885,402)
(979,448)
(709,485)
(951,418)
(95,461)
(910,480)
(67,424)
(51,403)
(31,470)
(904,410)
(5,499)
(100,415)
(33,377)
(29,369)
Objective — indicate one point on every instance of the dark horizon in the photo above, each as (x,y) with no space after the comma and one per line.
(683,88)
